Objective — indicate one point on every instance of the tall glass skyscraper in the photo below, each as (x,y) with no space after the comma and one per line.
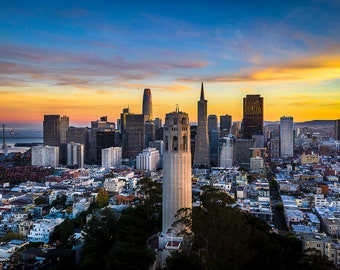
(147,104)
(51,130)
(252,123)
(286,137)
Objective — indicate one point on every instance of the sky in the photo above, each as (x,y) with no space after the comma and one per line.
(87,59)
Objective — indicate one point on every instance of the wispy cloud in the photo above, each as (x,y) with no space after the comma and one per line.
(62,68)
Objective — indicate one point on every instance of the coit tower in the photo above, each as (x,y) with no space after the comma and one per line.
(176,167)
(147,103)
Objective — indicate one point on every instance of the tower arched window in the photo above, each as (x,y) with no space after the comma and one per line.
(185,143)
(174,143)
(184,121)
(166,143)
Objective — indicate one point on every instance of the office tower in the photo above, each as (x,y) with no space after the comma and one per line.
(337,130)
(212,122)
(235,129)
(111,157)
(133,139)
(147,104)
(158,129)
(158,123)
(64,125)
(242,152)
(75,155)
(258,141)
(149,133)
(105,139)
(176,167)
(202,155)
(148,160)
(274,148)
(214,136)
(126,111)
(51,129)
(107,135)
(45,156)
(80,135)
(252,123)
(286,137)
(225,125)
(226,151)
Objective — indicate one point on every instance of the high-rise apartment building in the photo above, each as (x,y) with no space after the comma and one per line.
(45,155)
(177,186)
(147,104)
(148,160)
(75,154)
(51,130)
(159,145)
(111,157)
(252,122)
(337,130)
(286,137)
(202,153)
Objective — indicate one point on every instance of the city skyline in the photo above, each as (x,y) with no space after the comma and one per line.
(92,59)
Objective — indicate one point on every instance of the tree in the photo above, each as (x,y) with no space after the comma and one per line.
(100,236)
(63,231)
(223,237)
(102,198)
(11,236)
(40,200)
(135,226)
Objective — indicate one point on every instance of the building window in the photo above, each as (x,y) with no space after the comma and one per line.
(185,143)
(166,143)
(174,143)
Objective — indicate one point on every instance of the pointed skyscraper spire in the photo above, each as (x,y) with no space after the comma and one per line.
(202,92)
(202,152)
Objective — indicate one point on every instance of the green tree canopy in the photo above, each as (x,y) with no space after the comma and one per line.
(102,198)
(223,237)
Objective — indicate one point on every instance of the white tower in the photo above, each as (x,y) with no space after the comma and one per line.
(226,151)
(176,167)
(286,137)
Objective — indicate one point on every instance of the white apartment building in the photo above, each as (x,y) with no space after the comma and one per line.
(75,154)
(45,156)
(148,160)
(42,229)
(256,163)
(111,157)
(114,184)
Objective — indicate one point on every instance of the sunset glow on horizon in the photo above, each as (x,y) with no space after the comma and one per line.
(86,60)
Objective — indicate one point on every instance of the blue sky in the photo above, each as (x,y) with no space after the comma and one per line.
(85,59)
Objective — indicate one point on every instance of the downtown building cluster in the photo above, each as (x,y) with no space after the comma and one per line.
(228,155)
